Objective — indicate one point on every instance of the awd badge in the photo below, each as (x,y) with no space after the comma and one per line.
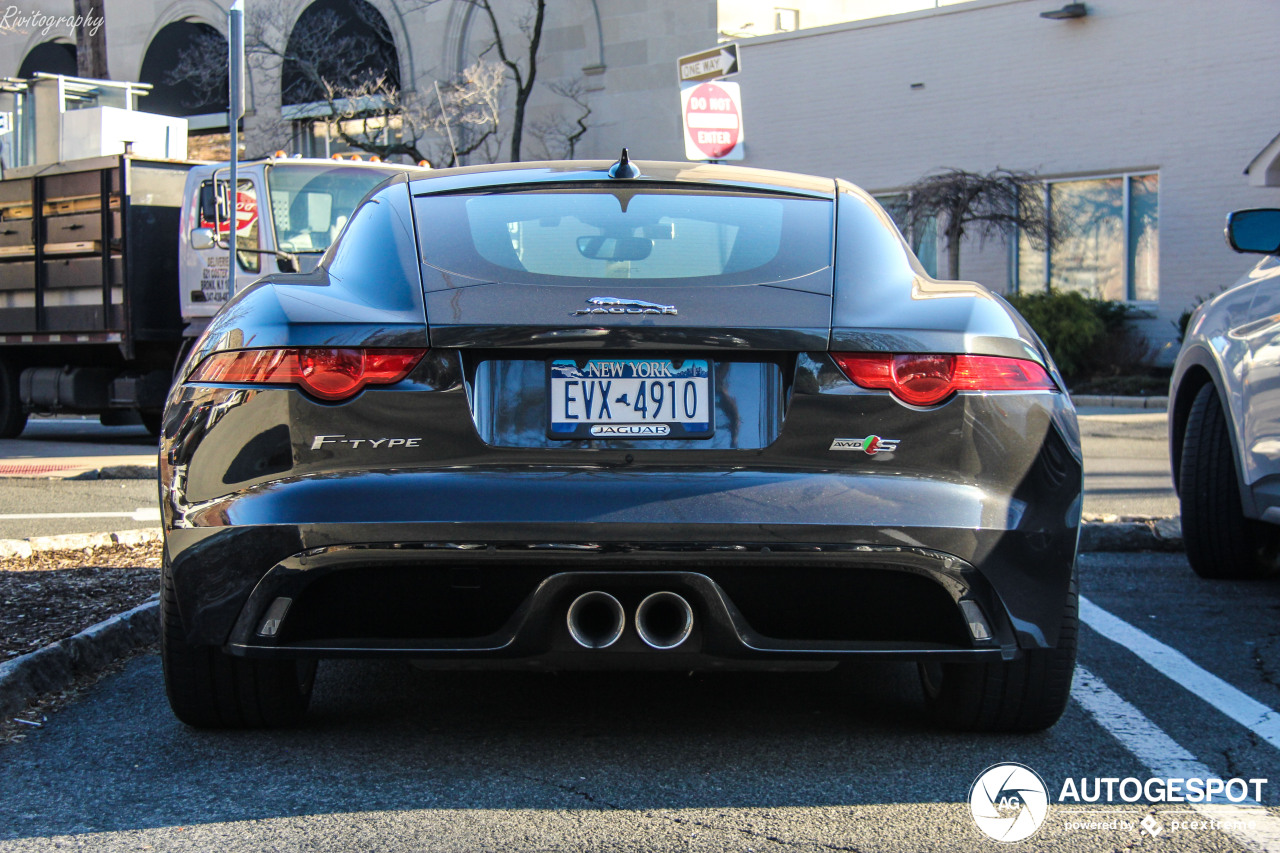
(871,445)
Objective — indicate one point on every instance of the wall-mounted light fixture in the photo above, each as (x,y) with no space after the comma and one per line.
(1071,10)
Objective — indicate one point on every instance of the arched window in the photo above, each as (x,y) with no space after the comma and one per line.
(341,42)
(181,64)
(50,57)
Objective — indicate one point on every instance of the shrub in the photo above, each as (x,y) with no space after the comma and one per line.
(1087,337)
(1069,326)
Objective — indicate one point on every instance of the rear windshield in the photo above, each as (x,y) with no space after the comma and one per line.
(645,235)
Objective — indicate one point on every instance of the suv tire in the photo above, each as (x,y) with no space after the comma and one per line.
(1220,542)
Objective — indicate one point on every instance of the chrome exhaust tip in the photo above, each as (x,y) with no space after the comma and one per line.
(596,620)
(664,620)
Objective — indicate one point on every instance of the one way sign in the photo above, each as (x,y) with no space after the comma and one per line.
(709,64)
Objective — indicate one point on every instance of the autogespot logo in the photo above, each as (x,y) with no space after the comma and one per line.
(1009,801)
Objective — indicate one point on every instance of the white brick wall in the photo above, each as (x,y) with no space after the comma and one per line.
(1188,88)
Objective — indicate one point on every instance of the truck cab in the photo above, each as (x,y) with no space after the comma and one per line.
(287,211)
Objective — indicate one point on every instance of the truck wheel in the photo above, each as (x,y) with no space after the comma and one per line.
(1220,541)
(153,420)
(13,418)
(1024,695)
(210,689)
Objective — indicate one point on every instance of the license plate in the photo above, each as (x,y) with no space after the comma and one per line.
(630,398)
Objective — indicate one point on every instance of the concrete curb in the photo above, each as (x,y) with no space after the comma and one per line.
(59,664)
(76,542)
(1160,404)
(48,469)
(120,472)
(1131,534)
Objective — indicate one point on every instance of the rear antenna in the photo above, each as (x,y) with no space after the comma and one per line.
(624,167)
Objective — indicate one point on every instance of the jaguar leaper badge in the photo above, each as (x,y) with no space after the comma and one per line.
(614,305)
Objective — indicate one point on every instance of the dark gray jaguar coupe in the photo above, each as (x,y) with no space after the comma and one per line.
(637,415)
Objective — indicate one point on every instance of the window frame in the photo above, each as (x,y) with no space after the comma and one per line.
(1126,214)
(915,237)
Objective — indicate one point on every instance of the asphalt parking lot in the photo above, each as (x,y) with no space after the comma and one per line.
(393,758)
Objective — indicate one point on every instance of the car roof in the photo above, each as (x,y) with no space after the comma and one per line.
(511,175)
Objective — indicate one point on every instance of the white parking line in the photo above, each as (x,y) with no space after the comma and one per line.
(1248,822)
(1239,706)
(142,513)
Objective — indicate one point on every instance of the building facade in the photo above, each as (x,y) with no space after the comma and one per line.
(620,56)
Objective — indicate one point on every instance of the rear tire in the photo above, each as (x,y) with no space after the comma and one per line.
(1220,542)
(1023,695)
(13,419)
(208,688)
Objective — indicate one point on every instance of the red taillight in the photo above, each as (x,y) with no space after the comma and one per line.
(330,373)
(923,380)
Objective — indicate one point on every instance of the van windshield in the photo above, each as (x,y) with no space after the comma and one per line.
(311,203)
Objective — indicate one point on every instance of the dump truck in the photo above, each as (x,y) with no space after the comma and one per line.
(110,267)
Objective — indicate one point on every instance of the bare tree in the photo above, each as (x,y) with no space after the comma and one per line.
(347,70)
(523,68)
(558,135)
(203,67)
(91,40)
(1001,202)
(322,49)
(442,125)
(350,72)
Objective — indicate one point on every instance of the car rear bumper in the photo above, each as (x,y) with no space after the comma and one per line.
(481,564)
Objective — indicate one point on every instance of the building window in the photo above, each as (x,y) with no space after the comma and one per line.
(786,20)
(923,239)
(1109,239)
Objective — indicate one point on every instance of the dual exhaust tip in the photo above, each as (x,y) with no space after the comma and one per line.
(596,620)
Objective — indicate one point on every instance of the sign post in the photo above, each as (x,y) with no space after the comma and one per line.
(712,114)
(235,82)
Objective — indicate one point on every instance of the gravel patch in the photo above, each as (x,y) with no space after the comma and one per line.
(52,595)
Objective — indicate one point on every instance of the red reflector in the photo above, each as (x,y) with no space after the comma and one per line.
(924,379)
(330,373)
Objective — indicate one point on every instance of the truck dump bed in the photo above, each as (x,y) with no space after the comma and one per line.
(88,252)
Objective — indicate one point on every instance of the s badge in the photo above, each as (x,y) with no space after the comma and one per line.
(871,445)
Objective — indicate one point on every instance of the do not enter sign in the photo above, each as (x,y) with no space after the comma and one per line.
(712,121)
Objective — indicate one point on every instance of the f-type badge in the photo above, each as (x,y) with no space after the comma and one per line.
(614,305)
(870,445)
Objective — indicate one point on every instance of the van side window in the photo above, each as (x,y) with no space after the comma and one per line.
(246,215)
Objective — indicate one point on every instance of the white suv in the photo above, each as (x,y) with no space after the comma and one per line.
(1224,415)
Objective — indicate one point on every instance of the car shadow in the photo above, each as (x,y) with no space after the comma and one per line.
(383,736)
